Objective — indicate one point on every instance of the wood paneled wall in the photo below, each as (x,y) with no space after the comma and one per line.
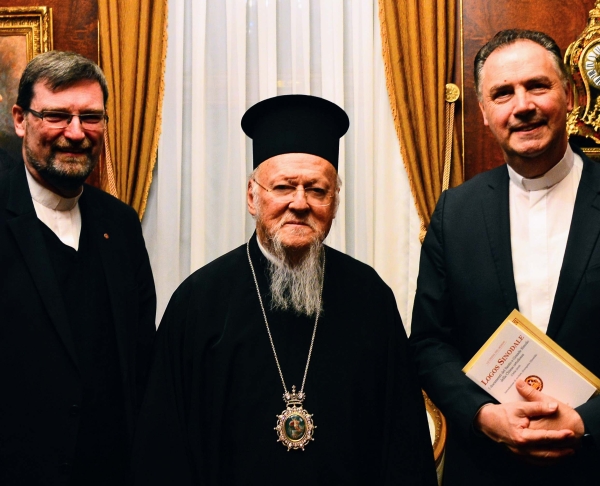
(563,20)
(75,24)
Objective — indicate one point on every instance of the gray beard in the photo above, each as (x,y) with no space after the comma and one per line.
(297,288)
(59,177)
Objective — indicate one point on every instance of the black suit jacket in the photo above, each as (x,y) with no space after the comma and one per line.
(6,160)
(466,289)
(41,382)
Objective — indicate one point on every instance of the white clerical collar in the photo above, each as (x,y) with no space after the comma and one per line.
(268,255)
(49,199)
(549,179)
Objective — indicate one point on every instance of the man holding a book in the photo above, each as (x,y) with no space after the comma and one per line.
(522,236)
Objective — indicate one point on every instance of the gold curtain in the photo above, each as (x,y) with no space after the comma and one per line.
(418,40)
(133,43)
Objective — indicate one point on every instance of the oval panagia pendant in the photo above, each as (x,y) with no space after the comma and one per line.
(295,426)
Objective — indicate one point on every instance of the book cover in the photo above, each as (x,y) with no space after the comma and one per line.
(518,349)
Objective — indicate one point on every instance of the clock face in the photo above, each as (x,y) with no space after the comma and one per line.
(592,65)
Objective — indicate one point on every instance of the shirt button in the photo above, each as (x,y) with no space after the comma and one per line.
(75,410)
(65,468)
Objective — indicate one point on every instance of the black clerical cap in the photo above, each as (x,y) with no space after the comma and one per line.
(295,124)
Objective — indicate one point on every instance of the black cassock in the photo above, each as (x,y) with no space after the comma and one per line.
(214,393)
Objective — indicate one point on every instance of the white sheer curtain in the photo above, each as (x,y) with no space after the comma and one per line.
(224,56)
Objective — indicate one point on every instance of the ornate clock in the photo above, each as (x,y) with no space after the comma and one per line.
(582,59)
(591,63)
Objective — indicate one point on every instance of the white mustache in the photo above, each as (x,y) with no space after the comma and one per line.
(289,219)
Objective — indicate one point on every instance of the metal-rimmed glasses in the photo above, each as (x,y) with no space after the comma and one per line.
(286,193)
(61,119)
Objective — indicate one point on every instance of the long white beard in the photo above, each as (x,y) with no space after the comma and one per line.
(297,288)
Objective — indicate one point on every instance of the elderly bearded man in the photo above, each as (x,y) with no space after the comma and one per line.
(285,314)
(77,301)
(524,235)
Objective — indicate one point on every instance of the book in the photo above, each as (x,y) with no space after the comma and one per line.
(519,349)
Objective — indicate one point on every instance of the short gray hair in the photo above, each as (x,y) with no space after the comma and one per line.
(58,69)
(510,36)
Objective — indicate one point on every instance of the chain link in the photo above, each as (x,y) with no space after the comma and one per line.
(312,341)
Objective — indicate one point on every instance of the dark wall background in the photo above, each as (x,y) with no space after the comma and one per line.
(563,20)
(75,23)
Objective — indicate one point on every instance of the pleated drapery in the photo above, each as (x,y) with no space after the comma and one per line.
(132,55)
(418,43)
(226,55)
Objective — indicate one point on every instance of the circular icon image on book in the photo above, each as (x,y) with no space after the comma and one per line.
(535,381)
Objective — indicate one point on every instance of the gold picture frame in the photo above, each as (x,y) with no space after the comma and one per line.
(25,32)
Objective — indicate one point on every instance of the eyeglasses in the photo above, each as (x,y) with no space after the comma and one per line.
(61,119)
(283,193)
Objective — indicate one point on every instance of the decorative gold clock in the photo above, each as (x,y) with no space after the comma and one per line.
(582,59)
(591,62)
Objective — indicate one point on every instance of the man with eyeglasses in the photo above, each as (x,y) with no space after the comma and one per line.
(285,360)
(77,299)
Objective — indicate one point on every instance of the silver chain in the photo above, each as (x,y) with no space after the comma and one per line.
(312,341)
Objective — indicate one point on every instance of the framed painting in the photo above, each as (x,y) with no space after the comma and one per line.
(24,33)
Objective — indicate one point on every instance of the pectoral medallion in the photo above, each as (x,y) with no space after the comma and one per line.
(295,425)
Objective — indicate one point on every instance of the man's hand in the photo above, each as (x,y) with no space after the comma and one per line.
(564,418)
(541,429)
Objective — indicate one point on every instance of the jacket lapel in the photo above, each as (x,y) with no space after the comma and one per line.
(497,223)
(25,227)
(107,240)
(583,237)
(105,237)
